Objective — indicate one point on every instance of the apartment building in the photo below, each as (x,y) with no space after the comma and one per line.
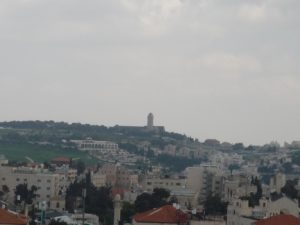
(206,179)
(171,184)
(119,176)
(48,184)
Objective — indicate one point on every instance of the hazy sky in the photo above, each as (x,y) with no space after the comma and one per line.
(225,69)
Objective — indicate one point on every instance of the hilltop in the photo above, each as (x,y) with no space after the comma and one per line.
(43,140)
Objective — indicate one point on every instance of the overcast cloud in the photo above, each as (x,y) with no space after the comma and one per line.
(207,68)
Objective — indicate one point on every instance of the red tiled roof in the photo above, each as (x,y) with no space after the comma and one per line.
(279,220)
(164,214)
(8,217)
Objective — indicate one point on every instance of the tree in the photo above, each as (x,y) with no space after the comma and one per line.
(232,167)
(288,167)
(289,189)
(173,199)
(238,146)
(4,193)
(148,201)
(143,202)
(97,201)
(25,195)
(161,193)
(80,166)
(128,210)
(254,198)
(213,205)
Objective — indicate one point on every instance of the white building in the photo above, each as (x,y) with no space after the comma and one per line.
(239,212)
(93,145)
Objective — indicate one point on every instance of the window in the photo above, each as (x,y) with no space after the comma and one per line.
(48,188)
(39,180)
(48,181)
(3,178)
(57,204)
(18,179)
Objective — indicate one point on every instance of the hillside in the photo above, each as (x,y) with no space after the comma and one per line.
(43,140)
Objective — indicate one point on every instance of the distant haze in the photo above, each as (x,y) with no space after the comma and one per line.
(207,68)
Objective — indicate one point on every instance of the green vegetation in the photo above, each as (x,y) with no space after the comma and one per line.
(144,202)
(42,141)
(296,158)
(254,198)
(98,201)
(41,153)
(25,194)
(290,190)
(233,167)
(213,205)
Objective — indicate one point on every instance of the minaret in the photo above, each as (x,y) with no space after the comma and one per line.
(117,209)
(150,120)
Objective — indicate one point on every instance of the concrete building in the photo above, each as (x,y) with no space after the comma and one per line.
(149,127)
(98,179)
(58,203)
(277,182)
(118,176)
(206,179)
(237,186)
(48,184)
(171,184)
(93,145)
(187,199)
(239,212)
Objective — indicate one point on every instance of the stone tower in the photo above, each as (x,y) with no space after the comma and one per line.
(117,209)
(150,120)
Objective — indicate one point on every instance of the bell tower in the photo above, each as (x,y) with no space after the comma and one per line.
(150,120)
